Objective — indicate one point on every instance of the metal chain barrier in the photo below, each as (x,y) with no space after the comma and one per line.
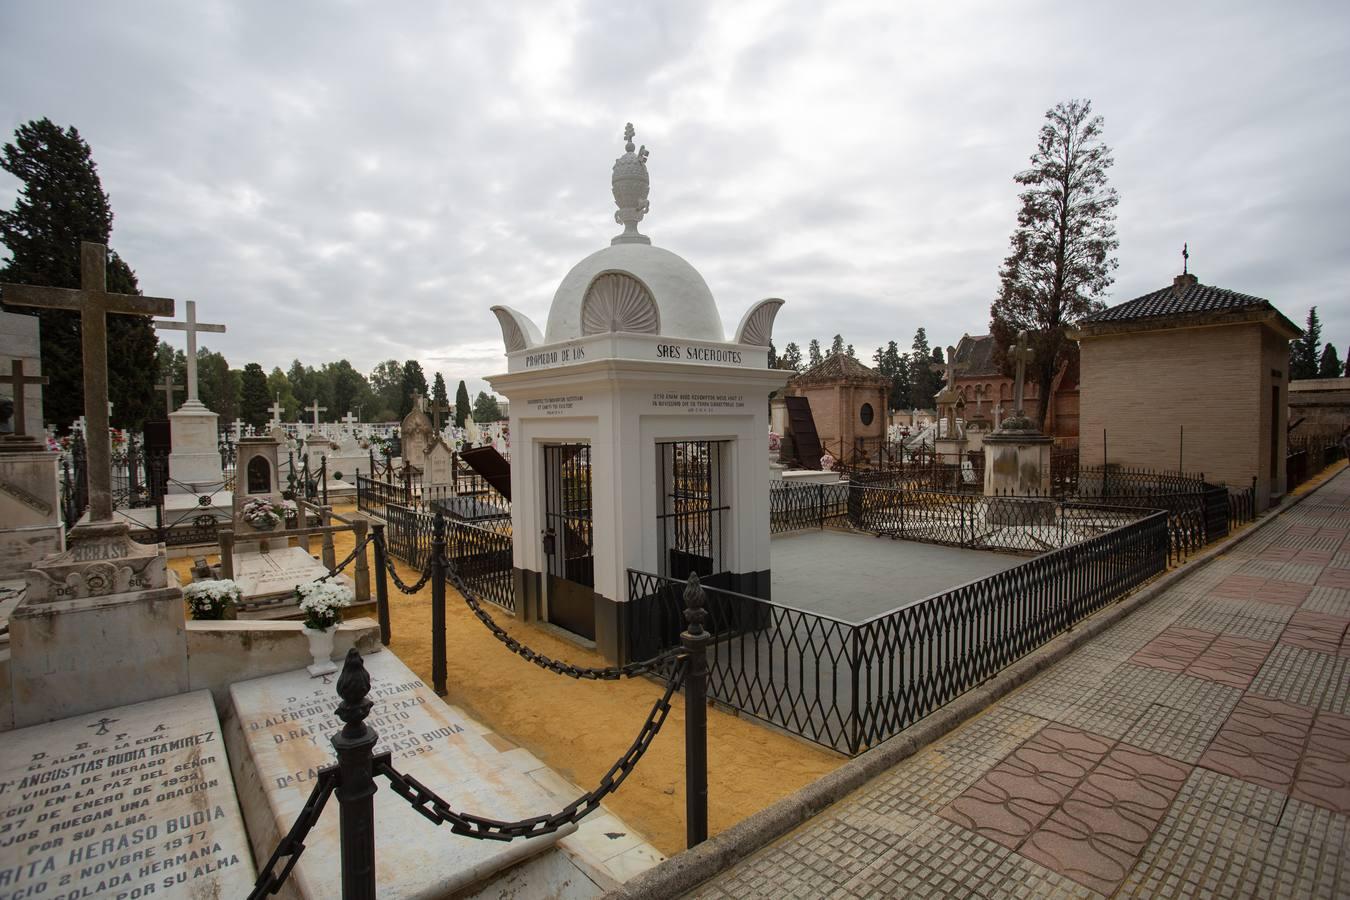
(293,844)
(439,812)
(357,550)
(393,572)
(588,673)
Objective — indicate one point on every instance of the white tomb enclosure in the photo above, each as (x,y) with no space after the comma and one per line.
(638,432)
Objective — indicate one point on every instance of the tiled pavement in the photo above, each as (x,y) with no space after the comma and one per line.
(1200,747)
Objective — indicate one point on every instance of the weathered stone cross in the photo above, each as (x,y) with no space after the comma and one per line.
(276,411)
(316,409)
(191,326)
(94,303)
(436,410)
(168,387)
(1021,354)
(18,381)
(949,368)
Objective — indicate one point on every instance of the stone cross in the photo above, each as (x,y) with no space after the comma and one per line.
(94,303)
(276,411)
(316,409)
(191,326)
(238,429)
(1021,354)
(419,402)
(349,420)
(436,410)
(17,380)
(949,368)
(168,387)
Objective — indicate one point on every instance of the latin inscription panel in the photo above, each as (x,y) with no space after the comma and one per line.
(135,801)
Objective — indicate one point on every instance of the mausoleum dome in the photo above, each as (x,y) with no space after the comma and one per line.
(633,287)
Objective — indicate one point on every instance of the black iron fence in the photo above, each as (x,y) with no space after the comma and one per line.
(1309,455)
(793,507)
(482,556)
(849,685)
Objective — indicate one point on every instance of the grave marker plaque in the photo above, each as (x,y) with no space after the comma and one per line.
(135,801)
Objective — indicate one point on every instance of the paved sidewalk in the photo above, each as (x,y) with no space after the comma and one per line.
(1200,747)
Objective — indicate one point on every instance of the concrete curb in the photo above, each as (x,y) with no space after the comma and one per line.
(686,871)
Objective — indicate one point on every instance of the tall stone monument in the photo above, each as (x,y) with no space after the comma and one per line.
(1017,454)
(194,463)
(30,496)
(104,591)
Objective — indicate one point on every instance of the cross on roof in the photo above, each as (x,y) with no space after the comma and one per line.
(1021,354)
(168,387)
(17,380)
(94,302)
(191,326)
(316,409)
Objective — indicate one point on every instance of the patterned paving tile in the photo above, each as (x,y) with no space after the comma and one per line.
(1174,649)
(1303,677)
(1099,831)
(1064,684)
(1184,718)
(1262,621)
(1230,660)
(1015,796)
(946,860)
(1298,572)
(1320,632)
(1262,567)
(1261,742)
(1334,578)
(1324,776)
(1263,590)
(1113,709)
(1333,601)
(1223,838)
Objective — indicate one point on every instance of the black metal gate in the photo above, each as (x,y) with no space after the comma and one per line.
(691,521)
(568,537)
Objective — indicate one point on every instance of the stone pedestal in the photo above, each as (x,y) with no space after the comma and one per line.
(1017,465)
(30,506)
(101,625)
(194,463)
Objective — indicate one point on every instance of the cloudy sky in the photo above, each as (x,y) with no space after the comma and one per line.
(364,180)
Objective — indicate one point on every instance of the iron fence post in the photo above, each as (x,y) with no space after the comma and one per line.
(695,639)
(438,603)
(323,475)
(356,781)
(381,583)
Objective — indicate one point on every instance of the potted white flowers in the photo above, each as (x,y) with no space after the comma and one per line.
(322,602)
(261,514)
(212,599)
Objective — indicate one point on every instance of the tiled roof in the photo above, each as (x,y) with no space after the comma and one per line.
(1187,297)
(839,367)
(978,355)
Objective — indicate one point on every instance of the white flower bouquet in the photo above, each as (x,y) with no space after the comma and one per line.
(212,599)
(321,602)
(261,514)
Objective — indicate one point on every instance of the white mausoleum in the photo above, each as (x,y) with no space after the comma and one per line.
(639,433)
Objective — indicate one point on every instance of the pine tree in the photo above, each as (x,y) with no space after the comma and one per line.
(791,358)
(414,382)
(1330,364)
(1060,263)
(924,382)
(486,408)
(253,399)
(813,351)
(438,392)
(836,345)
(61,203)
(1304,351)
(461,404)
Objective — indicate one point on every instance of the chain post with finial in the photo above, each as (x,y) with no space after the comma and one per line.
(438,603)
(695,639)
(355,745)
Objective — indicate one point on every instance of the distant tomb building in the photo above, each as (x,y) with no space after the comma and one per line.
(988,393)
(848,403)
(1191,377)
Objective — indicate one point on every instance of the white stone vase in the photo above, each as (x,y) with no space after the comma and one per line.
(321,648)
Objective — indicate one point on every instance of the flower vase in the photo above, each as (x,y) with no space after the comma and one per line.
(321,649)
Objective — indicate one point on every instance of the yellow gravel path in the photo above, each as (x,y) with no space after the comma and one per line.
(579,728)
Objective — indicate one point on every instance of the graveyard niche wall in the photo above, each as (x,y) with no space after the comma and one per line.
(1221,373)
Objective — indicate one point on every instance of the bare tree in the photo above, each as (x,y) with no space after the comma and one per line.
(1060,263)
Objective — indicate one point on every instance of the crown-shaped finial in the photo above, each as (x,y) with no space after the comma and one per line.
(631,186)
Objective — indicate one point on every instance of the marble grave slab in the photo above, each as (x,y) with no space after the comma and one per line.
(287,721)
(135,801)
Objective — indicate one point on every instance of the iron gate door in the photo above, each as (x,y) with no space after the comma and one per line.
(568,537)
